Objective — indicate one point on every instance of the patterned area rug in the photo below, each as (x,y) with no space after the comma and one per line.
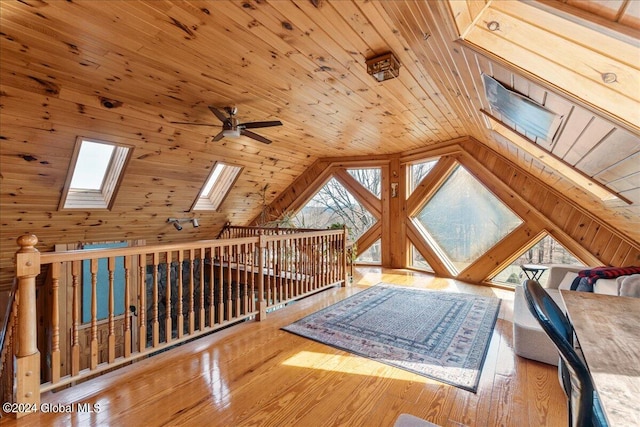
(440,335)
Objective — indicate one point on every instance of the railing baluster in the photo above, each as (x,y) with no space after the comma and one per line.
(262,309)
(305,264)
(111,340)
(180,307)
(155,325)
(220,285)
(127,314)
(245,278)
(212,309)
(55,322)
(329,260)
(202,311)
(325,259)
(93,363)
(168,324)
(277,272)
(288,269)
(192,313)
(270,273)
(75,318)
(229,304)
(142,306)
(296,267)
(250,269)
(238,298)
(315,253)
(284,270)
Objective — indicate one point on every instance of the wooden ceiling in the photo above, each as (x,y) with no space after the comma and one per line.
(157,61)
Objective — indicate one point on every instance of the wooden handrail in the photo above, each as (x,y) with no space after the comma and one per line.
(176,292)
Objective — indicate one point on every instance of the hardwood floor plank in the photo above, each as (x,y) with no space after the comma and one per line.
(255,374)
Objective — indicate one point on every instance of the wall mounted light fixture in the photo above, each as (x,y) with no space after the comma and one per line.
(176,222)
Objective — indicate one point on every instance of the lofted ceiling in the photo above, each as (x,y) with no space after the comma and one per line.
(123,71)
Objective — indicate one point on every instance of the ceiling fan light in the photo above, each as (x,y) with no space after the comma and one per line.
(233,133)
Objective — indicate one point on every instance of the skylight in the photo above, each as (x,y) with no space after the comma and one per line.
(521,113)
(91,166)
(217,187)
(94,175)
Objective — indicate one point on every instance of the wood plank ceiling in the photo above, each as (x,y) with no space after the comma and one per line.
(160,61)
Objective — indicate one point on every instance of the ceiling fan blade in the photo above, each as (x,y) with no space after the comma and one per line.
(254,125)
(219,114)
(194,124)
(255,136)
(219,136)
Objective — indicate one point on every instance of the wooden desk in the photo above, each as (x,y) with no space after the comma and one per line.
(608,330)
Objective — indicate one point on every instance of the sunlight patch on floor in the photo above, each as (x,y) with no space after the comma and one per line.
(350,365)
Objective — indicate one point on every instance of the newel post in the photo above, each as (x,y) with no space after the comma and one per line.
(27,359)
(262,303)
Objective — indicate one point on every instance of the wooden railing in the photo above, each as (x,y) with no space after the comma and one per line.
(234,231)
(170,294)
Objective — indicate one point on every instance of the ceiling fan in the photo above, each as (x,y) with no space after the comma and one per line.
(231,127)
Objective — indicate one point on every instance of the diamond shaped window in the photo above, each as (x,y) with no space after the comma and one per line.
(463,220)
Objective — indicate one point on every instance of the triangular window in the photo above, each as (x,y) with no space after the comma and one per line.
(372,255)
(417,260)
(334,205)
(369,179)
(417,172)
(545,251)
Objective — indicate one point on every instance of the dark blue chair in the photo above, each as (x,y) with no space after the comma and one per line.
(584,406)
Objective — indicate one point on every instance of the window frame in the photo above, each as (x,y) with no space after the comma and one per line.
(208,202)
(440,251)
(104,198)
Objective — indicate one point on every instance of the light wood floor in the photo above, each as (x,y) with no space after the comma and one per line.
(257,375)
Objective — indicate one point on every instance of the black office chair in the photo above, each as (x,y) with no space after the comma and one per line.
(584,406)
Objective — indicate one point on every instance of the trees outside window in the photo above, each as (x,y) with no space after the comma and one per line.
(545,251)
(335,204)
(463,220)
(417,172)
(370,179)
